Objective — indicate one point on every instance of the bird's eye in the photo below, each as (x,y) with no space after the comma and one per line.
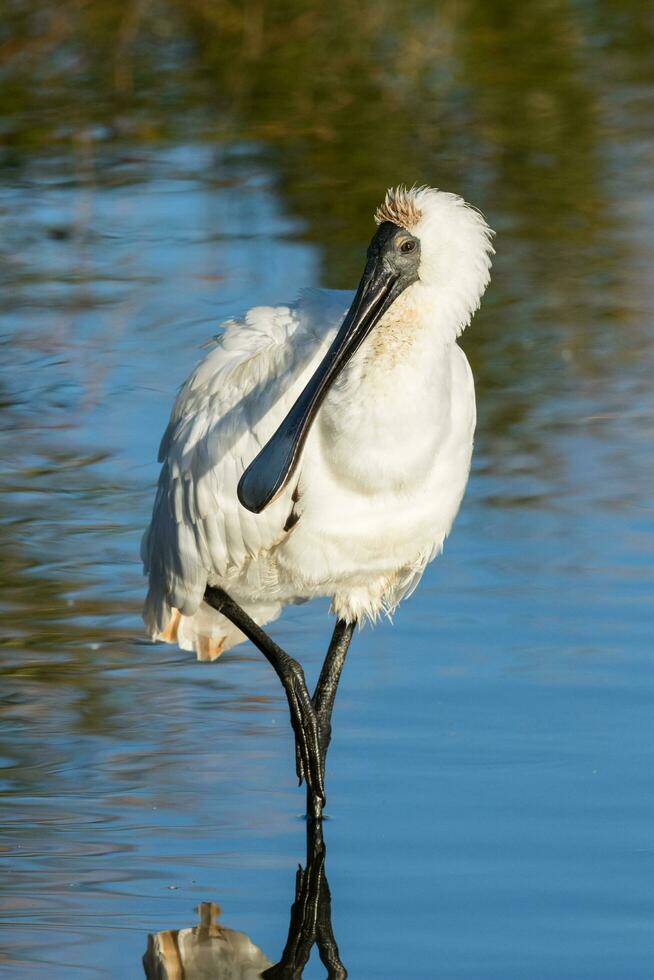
(407,246)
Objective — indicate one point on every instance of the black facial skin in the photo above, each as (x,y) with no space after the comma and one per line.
(393,260)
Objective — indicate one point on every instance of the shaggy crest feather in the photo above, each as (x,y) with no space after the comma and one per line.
(399,206)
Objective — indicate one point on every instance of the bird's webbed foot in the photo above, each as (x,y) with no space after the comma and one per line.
(309,754)
(315,802)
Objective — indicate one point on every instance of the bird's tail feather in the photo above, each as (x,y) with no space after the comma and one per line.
(206,632)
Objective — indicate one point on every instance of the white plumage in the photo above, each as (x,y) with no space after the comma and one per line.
(384,467)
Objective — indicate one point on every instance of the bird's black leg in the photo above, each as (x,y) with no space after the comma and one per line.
(323,698)
(304,719)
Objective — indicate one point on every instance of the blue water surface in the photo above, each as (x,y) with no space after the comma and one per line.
(491,802)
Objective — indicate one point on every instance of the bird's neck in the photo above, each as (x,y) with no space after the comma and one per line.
(382,418)
(412,338)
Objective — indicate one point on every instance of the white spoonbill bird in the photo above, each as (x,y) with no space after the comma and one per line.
(322,449)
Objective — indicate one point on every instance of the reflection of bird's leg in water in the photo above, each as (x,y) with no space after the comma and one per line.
(310,717)
(210,949)
(311,917)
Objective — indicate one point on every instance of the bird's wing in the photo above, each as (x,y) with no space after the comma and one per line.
(224,413)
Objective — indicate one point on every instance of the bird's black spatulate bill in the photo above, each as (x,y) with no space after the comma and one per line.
(381,283)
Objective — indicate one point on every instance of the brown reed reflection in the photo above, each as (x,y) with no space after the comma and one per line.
(208,950)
